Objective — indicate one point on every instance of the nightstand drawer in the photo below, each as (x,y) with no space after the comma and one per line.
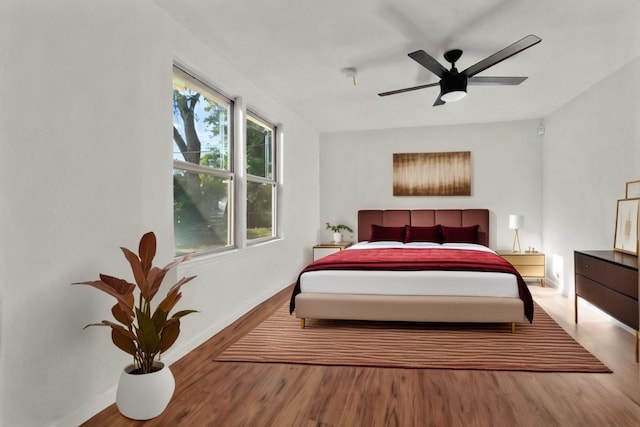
(323,252)
(530,270)
(324,249)
(527,259)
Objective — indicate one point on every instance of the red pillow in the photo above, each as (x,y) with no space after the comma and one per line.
(379,233)
(422,234)
(460,234)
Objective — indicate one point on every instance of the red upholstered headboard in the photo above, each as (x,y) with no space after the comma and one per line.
(424,218)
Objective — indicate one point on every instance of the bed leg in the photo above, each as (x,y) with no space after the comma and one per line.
(513,327)
(302,323)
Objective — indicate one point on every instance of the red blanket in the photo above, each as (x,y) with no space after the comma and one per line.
(418,259)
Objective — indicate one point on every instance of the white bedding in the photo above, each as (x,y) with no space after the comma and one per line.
(450,283)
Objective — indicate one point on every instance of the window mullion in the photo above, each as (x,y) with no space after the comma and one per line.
(240,185)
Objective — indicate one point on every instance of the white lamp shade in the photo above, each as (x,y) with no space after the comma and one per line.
(516,222)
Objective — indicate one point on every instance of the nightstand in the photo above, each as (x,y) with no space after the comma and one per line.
(528,264)
(325,249)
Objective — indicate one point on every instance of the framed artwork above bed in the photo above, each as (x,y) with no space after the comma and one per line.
(432,174)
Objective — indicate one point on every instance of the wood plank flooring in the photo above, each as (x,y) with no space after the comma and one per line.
(245,394)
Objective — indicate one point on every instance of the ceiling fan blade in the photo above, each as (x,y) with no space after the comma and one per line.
(428,62)
(438,101)
(495,81)
(503,54)
(409,89)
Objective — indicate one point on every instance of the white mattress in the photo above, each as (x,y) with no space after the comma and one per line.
(450,283)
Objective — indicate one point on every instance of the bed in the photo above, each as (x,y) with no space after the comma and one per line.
(423,265)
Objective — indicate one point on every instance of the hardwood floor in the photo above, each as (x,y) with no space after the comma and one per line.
(244,394)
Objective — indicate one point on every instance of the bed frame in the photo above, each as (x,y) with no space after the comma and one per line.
(414,308)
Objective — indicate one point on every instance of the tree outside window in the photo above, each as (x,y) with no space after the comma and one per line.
(202,173)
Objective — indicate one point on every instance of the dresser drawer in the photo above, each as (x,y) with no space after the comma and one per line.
(622,308)
(590,267)
(590,290)
(623,280)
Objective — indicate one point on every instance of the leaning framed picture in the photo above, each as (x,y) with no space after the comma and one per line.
(626,237)
(633,190)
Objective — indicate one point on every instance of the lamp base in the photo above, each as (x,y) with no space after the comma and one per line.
(516,240)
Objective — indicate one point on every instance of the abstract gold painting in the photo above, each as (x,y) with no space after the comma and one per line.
(432,174)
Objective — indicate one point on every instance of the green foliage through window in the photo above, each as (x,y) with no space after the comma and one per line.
(202,171)
(261,184)
(204,181)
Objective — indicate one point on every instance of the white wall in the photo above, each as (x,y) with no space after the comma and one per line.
(357,173)
(85,110)
(591,149)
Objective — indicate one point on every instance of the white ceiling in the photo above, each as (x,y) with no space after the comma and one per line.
(295,50)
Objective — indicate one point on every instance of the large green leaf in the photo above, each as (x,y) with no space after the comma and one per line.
(148,335)
(181,314)
(169,334)
(159,318)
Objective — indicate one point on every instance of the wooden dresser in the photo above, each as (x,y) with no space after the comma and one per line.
(609,280)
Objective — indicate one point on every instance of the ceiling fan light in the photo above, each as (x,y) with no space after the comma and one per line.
(453,96)
(453,87)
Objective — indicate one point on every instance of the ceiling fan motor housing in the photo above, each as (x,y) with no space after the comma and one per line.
(453,82)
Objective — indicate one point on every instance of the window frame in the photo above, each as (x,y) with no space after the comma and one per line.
(229,173)
(251,115)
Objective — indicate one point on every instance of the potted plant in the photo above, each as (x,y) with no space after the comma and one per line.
(337,235)
(146,385)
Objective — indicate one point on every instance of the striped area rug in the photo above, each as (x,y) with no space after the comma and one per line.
(539,347)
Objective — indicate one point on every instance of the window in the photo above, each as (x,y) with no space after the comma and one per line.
(261,180)
(202,166)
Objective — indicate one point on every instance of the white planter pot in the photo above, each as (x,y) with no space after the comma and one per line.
(337,237)
(142,397)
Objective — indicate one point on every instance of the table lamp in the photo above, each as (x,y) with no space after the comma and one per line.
(516,222)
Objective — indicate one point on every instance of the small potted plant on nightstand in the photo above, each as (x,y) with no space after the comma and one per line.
(337,235)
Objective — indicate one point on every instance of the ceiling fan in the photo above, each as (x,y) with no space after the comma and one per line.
(453,84)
